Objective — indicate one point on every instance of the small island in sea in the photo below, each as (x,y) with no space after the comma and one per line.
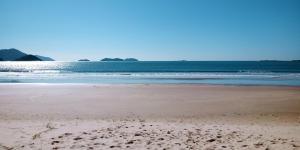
(131,59)
(119,59)
(84,59)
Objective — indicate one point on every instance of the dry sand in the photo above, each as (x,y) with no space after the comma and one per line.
(57,116)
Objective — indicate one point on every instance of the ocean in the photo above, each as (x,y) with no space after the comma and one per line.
(285,73)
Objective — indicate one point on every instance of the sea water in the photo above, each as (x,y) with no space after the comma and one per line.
(158,72)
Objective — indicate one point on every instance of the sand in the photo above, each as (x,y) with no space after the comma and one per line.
(73,116)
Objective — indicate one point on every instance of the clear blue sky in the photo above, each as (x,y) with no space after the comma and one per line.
(153,29)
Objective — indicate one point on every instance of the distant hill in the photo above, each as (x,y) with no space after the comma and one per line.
(119,59)
(279,60)
(28,58)
(13,54)
(43,58)
(269,60)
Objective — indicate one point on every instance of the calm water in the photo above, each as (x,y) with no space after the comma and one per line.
(198,72)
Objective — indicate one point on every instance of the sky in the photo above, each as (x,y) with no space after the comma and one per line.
(69,30)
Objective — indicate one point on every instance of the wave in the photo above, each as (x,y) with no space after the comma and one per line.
(157,77)
(164,75)
(256,71)
(143,71)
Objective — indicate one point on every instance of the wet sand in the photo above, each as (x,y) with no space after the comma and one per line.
(57,116)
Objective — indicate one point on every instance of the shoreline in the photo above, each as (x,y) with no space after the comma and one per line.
(139,84)
(145,99)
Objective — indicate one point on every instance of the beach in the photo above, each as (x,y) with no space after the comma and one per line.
(149,116)
(149,75)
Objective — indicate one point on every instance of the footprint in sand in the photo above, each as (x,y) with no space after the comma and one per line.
(77,138)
